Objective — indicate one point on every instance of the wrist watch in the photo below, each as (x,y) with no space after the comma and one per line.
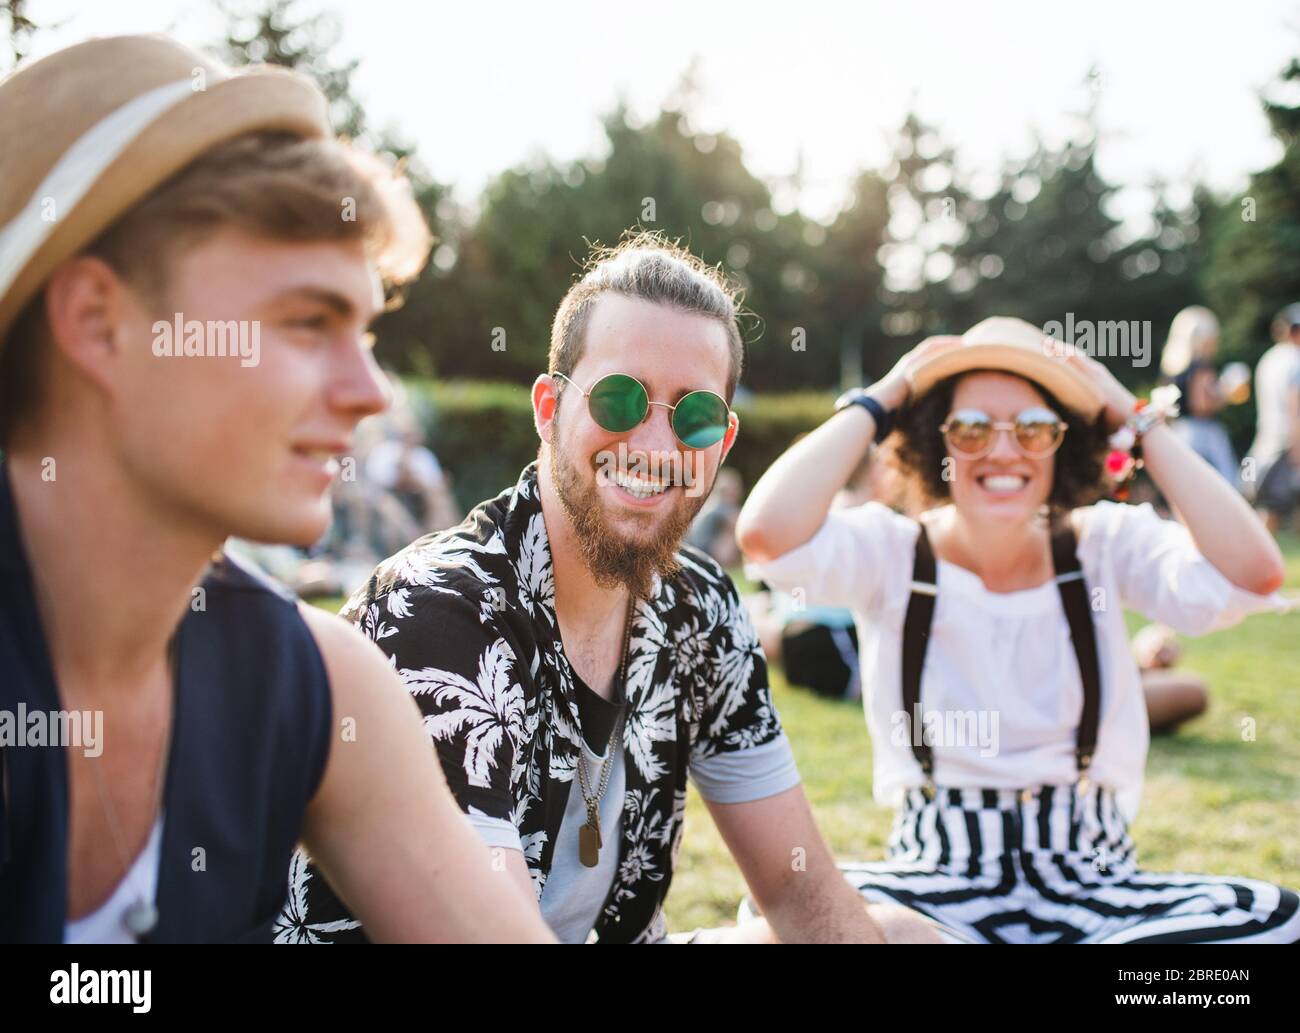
(884,418)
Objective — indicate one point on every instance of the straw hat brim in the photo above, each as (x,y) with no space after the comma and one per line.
(231,107)
(1070,387)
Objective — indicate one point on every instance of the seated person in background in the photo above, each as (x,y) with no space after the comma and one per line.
(400,463)
(1172,696)
(714,530)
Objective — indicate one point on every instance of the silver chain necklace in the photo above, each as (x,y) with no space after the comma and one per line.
(589,838)
(141,918)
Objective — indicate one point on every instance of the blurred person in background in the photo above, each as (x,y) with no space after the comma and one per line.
(402,463)
(1189,360)
(392,491)
(1276,448)
(714,528)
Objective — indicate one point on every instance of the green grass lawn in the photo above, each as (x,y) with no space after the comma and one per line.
(1212,803)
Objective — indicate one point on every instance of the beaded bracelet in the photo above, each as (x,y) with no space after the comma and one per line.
(1125,458)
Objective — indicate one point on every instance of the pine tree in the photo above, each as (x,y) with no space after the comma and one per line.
(282,32)
(1254,265)
(19,28)
(275,33)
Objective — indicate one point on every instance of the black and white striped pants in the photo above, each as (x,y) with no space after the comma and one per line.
(1051,865)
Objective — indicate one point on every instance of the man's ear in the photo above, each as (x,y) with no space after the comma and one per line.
(544,403)
(83,308)
(729,439)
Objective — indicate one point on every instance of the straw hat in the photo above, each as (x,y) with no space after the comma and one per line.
(1013,346)
(88,131)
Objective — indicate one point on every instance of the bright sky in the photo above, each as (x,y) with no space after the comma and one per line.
(481,87)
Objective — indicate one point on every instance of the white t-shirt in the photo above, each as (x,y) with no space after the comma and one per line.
(574,894)
(1277,377)
(107,923)
(1000,670)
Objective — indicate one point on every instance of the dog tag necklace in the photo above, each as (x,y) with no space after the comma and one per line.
(589,839)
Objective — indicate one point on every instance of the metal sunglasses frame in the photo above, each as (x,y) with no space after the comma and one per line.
(671,407)
(998,426)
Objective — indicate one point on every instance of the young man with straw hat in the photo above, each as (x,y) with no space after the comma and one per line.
(170,723)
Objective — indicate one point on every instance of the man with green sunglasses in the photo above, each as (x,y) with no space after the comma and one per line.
(576,663)
(619,402)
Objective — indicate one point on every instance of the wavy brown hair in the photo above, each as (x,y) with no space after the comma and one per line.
(919,450)
(649,266)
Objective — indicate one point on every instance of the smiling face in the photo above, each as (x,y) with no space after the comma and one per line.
(631,496)
(1005,486)
(248,450)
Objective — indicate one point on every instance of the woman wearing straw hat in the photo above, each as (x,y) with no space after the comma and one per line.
(143,187)
(1004,706)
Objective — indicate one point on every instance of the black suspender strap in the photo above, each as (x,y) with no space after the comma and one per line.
(1083,636)
(916,637)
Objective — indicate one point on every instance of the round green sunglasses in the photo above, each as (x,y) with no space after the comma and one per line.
(618,402)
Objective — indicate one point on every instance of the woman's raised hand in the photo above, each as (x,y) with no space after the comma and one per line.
(1118,400)
(895,387)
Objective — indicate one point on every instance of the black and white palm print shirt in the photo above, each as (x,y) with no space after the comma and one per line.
(467,618)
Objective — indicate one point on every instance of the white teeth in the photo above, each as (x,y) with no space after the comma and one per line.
(638,487)
(1002,483)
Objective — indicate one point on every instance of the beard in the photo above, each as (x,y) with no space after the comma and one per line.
(615,560)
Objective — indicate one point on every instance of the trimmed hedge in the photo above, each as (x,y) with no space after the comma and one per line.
(482,431)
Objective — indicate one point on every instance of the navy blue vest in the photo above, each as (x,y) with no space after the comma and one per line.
(250,741)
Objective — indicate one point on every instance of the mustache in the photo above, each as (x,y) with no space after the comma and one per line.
(612,558)
(675,469)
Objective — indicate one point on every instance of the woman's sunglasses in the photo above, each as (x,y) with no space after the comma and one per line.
(619,402)
(972,433)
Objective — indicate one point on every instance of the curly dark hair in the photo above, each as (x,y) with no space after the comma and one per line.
(919,449)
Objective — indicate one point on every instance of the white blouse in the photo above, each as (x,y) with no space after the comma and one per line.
(1000,689)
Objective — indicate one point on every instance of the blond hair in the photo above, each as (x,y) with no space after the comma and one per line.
(1193,337)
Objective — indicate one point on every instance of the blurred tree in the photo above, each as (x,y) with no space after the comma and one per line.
(289,34)
(928,209)
(531,236)
(851,286)
(19,29)
(1254,262)
(283,32)
(1046,248)
(915,250)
